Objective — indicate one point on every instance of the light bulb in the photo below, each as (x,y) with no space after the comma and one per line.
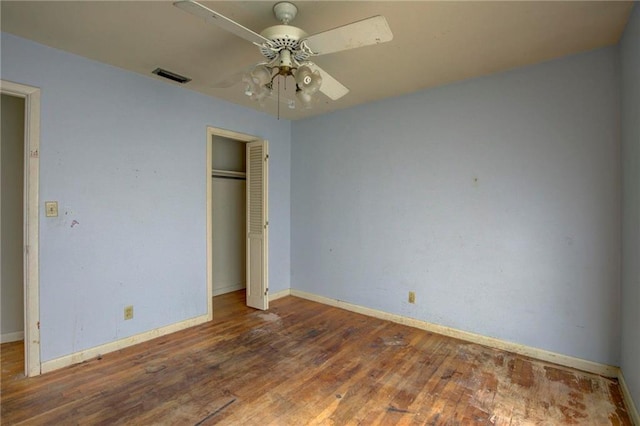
(303,73)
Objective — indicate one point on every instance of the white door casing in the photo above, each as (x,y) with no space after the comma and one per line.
(257,225)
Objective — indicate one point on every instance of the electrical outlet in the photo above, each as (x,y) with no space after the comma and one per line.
(412,297)
(128,312)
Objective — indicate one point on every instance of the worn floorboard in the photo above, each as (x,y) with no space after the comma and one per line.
(305,363)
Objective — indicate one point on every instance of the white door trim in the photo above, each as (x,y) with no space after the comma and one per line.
(31,96)
(229,134)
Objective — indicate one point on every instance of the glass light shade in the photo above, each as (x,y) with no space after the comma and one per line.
(260,93)
(249,84)
(261,75)
(304,98)
(308,81)
(254,89)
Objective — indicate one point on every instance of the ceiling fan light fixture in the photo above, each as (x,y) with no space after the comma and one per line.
(255,91)
(261,94)
(304,98)
(308,81)
(249,84)
(261,75)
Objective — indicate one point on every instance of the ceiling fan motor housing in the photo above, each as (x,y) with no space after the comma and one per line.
(284,37)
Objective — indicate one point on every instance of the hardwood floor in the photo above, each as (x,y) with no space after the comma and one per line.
(305,363)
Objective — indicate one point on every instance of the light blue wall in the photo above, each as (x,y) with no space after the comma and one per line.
(124,155)
(630,65)
(497,200)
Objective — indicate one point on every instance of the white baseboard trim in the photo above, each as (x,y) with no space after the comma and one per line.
(279,295)
(12,337)
(217,291)
(541,354)
(87,354)
(631,406)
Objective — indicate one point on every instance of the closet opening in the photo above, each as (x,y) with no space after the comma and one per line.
(237,224)
(229,205)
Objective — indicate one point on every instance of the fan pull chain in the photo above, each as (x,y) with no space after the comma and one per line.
(278,98)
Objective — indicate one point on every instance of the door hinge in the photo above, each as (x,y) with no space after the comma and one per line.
(266,291)
(38,325)
(266,224)
(266,157)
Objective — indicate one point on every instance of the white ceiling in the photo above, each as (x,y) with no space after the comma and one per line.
(434,42)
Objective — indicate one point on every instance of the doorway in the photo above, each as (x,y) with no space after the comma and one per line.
(237,222)
(229,189)
(12,219)
(22,227)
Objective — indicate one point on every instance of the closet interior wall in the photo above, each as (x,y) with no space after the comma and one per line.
(229,215)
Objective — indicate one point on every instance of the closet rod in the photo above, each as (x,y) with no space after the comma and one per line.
(228,177)
(228,174)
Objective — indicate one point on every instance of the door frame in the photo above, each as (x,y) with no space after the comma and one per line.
(31,96)
(241,137)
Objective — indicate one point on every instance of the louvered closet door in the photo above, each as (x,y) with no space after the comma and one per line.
(257,225)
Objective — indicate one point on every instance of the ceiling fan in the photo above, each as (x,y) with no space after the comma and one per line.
(288,49)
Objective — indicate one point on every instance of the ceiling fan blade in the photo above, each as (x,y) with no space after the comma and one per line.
(369,31)
(330,86)
(222,21)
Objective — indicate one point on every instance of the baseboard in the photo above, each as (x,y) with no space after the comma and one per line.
(227,289)
(12,337)
(631,406)
(87,354)
(279,295)
(541,354)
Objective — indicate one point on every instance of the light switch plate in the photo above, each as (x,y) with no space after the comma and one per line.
(51,208)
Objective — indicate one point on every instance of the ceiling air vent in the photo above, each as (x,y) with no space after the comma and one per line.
(171,75)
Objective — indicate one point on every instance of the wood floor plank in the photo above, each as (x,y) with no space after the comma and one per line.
(303,363)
